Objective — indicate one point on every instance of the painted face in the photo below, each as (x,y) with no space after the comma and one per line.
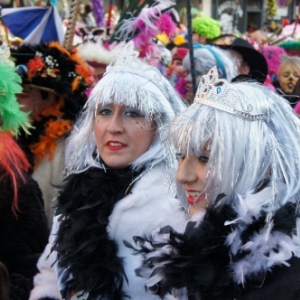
(288,76)
(32,101)
(122,134)
(192,174)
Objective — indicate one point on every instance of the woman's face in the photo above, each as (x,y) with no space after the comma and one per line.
(192,174)
(288,76)
(122,134)
(32,101)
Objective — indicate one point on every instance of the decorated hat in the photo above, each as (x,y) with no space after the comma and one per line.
(255,60)
(51,67)
(180,53)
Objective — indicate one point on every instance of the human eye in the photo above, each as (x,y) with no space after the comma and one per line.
(133,113)
(104,111)
(203,159)
(180,156)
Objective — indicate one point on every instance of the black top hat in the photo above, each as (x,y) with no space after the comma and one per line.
(255,60)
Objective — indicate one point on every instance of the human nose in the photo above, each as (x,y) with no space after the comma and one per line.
(115,124)
(185,172)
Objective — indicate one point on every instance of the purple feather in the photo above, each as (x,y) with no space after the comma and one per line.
(98,11)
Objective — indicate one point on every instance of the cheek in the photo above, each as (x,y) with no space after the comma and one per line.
(142,140)
(98,130)
(202,174)
(27,103)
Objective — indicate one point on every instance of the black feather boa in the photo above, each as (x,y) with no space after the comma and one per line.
(84,248)
(196,264)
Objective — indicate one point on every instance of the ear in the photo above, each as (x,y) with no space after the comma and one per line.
(245,69)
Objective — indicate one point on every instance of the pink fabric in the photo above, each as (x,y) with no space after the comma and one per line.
(297,108)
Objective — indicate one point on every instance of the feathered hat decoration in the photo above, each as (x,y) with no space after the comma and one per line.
(141,23)
(51,67)
(11,115)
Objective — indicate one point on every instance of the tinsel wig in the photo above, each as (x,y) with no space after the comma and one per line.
(128,81)
(253,137)
(52,68)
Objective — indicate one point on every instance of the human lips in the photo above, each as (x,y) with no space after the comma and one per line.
(193,196)
(115,145)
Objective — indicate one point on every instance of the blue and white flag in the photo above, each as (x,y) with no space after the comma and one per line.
(34,24)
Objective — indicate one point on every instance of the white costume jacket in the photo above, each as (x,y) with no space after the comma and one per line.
(146,208)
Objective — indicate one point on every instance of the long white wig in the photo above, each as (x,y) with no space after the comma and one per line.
(208,56)
(246,154)
(131,82)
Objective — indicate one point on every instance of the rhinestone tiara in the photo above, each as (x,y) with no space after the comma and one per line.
(215,92)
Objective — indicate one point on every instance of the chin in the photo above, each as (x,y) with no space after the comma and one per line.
(115,164)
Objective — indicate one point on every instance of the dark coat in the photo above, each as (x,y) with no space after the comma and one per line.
(23,237)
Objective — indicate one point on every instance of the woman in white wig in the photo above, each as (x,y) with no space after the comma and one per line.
(114,188)
(238,176)
(206,57)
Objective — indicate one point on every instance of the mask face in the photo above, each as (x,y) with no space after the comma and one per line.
(122,134)
(31,100)
(288,76)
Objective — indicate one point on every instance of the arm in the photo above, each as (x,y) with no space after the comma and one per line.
(45,282)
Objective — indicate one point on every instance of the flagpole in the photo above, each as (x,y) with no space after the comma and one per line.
(190,42)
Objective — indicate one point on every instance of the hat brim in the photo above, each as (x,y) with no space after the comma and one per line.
(255,60)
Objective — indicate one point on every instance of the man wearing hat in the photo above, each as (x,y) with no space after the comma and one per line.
(251,63)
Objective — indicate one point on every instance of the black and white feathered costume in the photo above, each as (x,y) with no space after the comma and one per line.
(231,253)
(97,211)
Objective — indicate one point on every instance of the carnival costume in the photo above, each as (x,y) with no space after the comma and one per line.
(24,231)
(247,243)
(99,207)
(51,68)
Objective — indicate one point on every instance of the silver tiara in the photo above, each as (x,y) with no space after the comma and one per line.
(216,92)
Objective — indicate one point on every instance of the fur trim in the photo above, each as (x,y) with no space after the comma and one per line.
(228,248)
(98,52)
(85,204)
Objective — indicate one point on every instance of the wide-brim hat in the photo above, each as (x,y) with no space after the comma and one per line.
(51,67)
(256,61)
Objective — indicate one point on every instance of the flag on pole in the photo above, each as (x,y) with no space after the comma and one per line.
(34,24)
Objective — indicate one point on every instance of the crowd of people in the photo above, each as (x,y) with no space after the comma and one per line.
(150,164)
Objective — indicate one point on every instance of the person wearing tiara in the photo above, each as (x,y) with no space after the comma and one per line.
(238,177)
(115,186)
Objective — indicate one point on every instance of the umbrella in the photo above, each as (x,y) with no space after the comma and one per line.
(34,24)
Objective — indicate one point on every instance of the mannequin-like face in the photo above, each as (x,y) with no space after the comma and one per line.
(122,134)
(288,76)
(191,174)
(33,102)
